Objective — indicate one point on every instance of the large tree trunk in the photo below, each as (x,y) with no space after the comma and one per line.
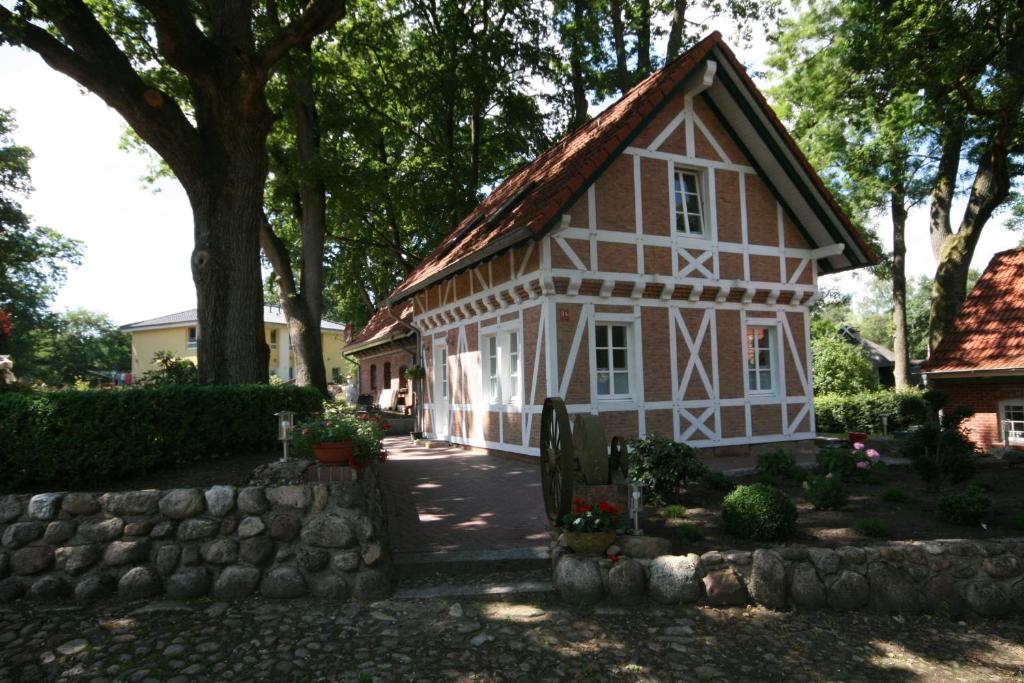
(675,31)
(898,208)
(619,42)
(577,76)
(643,38)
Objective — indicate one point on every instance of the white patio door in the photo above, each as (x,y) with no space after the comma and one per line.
(440,417)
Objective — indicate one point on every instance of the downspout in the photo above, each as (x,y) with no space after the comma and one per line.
(417,423)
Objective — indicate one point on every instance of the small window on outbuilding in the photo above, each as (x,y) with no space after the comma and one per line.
(273,339)
(193,337)
(373,378)
(387,375)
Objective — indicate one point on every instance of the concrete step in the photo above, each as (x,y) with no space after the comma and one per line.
(471,562)
(431,443)
(491,591)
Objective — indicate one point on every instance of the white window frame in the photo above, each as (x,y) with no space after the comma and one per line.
(502,371)
(773,333)
(192,337)
(1004,428)
(273,338)
(444,372)
(627,325)
(684,229)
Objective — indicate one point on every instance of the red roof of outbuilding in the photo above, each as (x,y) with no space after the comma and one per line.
(383,327)
(988,333)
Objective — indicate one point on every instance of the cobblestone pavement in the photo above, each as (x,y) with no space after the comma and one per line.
(477,641)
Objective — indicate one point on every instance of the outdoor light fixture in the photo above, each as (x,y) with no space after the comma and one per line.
(885,427)
(285,422)
(635,492)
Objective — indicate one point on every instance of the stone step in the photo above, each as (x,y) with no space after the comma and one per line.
(430,443)
(471,562)
(492,591)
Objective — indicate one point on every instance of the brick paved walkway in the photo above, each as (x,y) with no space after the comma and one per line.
(451,499)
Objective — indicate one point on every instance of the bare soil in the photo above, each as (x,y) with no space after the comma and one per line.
(916,519)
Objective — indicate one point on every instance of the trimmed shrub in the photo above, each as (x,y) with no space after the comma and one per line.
(968,505)
(690,532)
(673,511)
(863,412)
(760,512)
(70,438)
(895,495)
(839,461)
(940,454)
(825,493)
(661,464)
(778,463)
(872,528)
(717,481)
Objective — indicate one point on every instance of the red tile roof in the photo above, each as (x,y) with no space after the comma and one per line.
(988,333)
(382,327)
(533,198)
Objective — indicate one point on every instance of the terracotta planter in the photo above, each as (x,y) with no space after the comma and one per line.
(335,452)
(594,543)
(857,437)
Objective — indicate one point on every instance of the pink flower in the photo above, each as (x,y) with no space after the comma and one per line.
(863,465)
(858,446)
(872,453)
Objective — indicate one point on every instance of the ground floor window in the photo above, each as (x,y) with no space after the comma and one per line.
(1012,416)
(193,337)
(373,377)
(611,347)
(335,375)
(761,360)
(501,371)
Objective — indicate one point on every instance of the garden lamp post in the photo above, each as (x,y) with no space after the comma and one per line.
(285,422)
(634,493)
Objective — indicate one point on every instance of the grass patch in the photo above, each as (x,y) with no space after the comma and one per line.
(895,495)
(872,528)
(673,512)
(690,532)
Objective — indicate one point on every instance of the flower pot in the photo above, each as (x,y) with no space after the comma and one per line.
(592,543)
(857,437)
(335,453)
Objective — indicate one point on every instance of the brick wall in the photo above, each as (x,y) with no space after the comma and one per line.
(984,396)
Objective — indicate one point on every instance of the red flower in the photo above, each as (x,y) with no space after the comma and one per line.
(375,416)
(382,456)
(385,426)
(585,508)
(613,558)
(607,507)
(362,416)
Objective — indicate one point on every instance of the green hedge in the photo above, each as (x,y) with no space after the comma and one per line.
(863,412)
(70,438)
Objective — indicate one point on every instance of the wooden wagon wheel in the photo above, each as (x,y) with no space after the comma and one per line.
(618,459)
(591,445)
(556,459)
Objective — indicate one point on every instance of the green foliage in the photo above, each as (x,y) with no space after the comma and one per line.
(72,438)
(339,426)
(895,495)
(872,528)
(584,519)
(778,463)
(691,532)
(825,492)
(673,511)
(170,370)
(81,344)
(662,464)
(759,512)
(717,481)
(940,451)
(839,461)
(840,367)
(1016,521)
(863,412)
(967,505)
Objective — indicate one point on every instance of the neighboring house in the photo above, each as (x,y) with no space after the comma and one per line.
(882,357)
(980,362)
(179,333)
(384,349)
(656,266)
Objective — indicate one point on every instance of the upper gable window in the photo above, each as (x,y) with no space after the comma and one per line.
(689,207)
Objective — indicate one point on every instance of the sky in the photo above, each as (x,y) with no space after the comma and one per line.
(138,239)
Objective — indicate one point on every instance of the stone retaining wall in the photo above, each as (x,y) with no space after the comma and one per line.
(951,577)
(327,540)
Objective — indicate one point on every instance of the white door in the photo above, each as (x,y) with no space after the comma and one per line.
(440,417)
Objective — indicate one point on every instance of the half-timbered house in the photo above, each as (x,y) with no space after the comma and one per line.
(657,266)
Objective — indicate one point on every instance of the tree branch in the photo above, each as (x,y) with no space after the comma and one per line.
(319,16)
(181,42)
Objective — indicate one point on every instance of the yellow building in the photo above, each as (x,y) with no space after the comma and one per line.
(179,333)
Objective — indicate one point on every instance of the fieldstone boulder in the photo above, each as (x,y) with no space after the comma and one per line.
(939,595)
(724,588)
(126,552)
(312,559)
(347,494)
(625,581)
(10,509)
(5,563)
(138,583)
(674,578)
(372,553)
(257,550)
(283,583)
(181,503)
(101,530)
(251,526)
(221,551)
(131,503)
(643,547)
(166,558)
(48,588)
(767,583)
(94,587)
(44,506)
(236,582)
(578,580)
(328,531)
(825,560)
(345,560)
(328,586)
(190,555)
(191,582)
(21,533)
(285,526)
(1001,566)
(1017,595)
(197,528)
(852,556)
(11,589)
(849,591)
(370,585)
(297,497)
(58,532)
(139,528)
(31,560)
(220,499)
(163,529)
(76,559)
(987,598)
(252,500)
(80,504)
(892,589)
(805,588)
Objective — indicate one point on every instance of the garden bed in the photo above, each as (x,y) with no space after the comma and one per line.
(915,519)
